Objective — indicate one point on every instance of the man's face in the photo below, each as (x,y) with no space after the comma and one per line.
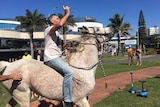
(26,53)
(55,19)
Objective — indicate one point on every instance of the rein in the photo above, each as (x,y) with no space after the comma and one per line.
(87,43)
(104,73)
(87,68)
(91,67)
(2,71)
(86,30)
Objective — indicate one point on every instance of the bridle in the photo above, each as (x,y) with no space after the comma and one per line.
(99,61)
(91,67)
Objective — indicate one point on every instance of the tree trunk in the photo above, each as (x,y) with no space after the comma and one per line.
(119,44)
(31,45)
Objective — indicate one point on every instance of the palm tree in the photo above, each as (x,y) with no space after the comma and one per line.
(119,28)
(32,22)
(70,22)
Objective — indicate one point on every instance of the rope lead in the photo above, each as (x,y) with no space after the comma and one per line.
(106,85)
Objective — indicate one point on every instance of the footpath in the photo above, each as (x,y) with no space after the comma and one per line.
(119,81)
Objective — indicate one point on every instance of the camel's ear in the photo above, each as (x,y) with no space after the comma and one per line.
(83,29)
(89,30)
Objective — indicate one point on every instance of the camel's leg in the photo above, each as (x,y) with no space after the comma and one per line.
(11,103)
(83,103)
(22,97)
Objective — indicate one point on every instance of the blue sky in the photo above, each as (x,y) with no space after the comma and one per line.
(102,10)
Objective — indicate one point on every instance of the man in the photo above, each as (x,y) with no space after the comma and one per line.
(26,55)
(53,53)
(14,76)
(130,55)
(138,55)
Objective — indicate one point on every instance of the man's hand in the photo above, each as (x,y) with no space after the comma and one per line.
(16,76)
(67,44)
(66,9)
(66,52)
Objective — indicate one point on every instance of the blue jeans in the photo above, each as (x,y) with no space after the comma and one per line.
(59,65)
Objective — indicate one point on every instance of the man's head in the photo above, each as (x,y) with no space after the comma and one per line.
(25,53)
(54,19)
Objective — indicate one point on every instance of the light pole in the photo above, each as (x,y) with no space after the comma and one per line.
(47,19)
(137,37)
(52,10)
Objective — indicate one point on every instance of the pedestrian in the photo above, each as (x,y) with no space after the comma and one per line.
(114,51)
(144,49)
(123,49)
(139,56)
(130,55)
(26,55)
(53,53)
(39,55)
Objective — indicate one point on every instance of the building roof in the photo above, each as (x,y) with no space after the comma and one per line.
(10,22)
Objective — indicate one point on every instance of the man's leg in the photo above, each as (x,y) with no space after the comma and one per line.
(66,71)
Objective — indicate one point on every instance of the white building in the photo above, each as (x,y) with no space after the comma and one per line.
(13,43)
(8,24)
(87,22)
(9,36)
(153,30)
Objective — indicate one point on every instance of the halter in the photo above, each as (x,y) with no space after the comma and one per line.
(86,68)
(100,61)
(91,67)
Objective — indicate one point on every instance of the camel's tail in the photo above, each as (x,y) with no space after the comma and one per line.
(3,65)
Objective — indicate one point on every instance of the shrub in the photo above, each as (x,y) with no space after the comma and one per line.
(150,51)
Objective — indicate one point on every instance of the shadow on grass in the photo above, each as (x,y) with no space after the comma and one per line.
(157,76)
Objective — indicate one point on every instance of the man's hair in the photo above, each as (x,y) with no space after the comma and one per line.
(49,18)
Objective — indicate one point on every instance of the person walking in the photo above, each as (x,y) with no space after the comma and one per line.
(139,56)
(53,53)
(130,55)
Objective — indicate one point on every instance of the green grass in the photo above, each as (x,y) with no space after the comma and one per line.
(4,96)
(125,99)
(113,58)
(111,69)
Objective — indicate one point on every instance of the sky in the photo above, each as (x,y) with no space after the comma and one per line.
(102,10)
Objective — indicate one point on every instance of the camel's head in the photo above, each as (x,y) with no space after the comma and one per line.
(98,33)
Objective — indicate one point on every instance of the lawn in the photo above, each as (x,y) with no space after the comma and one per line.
(111,69)
(125,99)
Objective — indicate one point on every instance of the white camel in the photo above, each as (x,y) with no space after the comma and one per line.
(47,82)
